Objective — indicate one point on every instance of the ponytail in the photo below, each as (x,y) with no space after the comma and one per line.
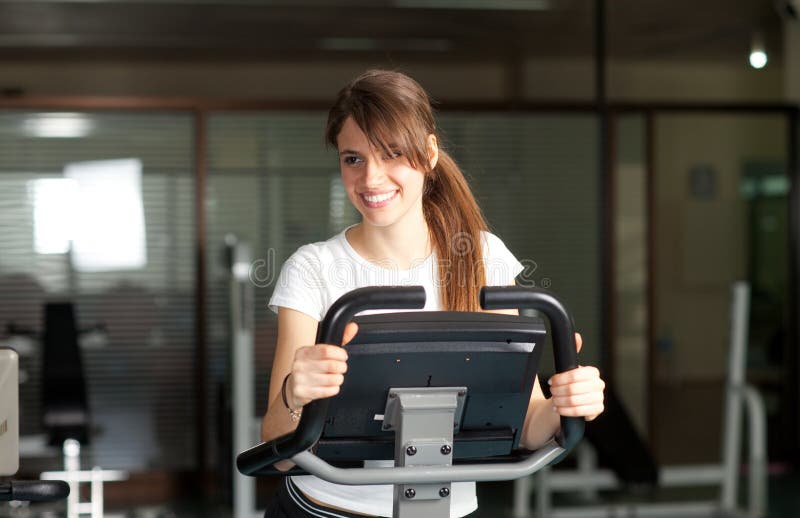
(455,223)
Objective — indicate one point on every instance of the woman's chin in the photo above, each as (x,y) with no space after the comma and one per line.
(377,222)
(376,218)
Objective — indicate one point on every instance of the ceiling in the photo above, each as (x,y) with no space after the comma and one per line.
(430,29)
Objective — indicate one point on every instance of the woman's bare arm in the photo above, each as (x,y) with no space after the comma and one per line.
(317,371)
(295,329)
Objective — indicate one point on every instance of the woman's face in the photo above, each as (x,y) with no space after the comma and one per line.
(384,189)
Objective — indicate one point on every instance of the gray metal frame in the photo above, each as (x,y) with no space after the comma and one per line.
(242,375)
(9,412)
(423,420)
(74,475)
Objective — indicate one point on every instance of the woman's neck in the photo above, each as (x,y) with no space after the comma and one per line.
(402,245)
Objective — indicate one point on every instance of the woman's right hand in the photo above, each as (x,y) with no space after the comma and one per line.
(318,371)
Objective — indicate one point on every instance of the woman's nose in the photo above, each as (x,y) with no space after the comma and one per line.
(373,173)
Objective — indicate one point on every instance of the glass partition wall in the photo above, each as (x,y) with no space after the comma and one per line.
(631,351)
(721,214)
(702,201)
(97,208)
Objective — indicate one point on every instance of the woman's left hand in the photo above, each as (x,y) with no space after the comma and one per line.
(578,392)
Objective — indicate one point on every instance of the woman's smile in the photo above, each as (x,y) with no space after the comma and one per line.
(375,200)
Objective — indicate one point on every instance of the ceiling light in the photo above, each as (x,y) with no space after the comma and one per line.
(758,53)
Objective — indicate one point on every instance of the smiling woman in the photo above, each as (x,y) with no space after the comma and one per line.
(387,119)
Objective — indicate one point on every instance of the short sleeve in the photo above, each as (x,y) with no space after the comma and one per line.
(300,286)
(501,265)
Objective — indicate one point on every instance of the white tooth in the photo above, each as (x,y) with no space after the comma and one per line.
(379,198)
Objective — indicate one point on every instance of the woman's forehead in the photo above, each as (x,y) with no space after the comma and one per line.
(352,138)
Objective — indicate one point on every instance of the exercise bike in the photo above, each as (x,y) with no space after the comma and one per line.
(443,393)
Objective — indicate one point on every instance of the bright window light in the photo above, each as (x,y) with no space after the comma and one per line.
(57,125)
(109,229)
(53,201)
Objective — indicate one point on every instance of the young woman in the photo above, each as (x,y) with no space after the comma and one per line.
(420,226)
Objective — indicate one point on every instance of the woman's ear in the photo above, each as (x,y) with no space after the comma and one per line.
(433,150)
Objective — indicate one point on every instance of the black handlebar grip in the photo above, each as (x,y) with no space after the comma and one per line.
(565,354)
(34,491)
(330,331)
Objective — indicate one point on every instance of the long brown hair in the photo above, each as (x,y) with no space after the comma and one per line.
(395,113)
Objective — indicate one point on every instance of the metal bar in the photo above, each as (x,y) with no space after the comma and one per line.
(544,494)
(571,481)
(200,378)
(651,212)
(607,209)
(732,425)
(665,510)
(97,493)
(428,474)
(106,475)
(72,464)
(757,460)
(136,103)
(605,212)
(683,476)
(600,51)
(792,390)
(9,405)
(242,361)
(670,106)
(73,499)
(587,463)
(674,476)
(423,420)
(522,491)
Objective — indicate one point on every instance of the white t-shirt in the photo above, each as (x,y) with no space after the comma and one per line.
(315,276)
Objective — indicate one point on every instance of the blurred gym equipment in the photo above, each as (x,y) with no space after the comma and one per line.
(18,490)
(738,395)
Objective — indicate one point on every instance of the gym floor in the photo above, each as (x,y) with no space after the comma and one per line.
(495,499)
